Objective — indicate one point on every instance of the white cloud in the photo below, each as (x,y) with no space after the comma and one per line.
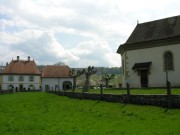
(28,27)
(97,53)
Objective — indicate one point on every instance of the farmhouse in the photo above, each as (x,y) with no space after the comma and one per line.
(56,78)
(20,75)
(151,54)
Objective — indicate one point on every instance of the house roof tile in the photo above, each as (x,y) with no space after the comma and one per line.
(55,71)
(21,67)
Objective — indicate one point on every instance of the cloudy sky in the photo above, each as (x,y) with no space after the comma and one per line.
(77,32)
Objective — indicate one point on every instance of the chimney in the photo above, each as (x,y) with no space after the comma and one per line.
(17,57)
(6,64)
(28,58)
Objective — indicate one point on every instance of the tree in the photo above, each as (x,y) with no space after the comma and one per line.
(107,78)
(75,73)
(60,64)
(90,70)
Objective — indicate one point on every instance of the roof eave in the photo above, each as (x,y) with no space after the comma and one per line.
(56,77)
(148,44)
(20,74)
(120,49)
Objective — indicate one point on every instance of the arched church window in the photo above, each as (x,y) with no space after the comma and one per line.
(168,61)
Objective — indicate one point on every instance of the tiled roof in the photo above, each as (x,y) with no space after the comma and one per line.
(154,30)
(153,34)
(21,67)
(55,71)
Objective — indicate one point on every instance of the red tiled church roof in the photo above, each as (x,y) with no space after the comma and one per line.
(21,67)
(55,71)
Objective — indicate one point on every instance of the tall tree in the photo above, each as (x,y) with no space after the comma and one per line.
(107,78)
(75,73)
(90,70)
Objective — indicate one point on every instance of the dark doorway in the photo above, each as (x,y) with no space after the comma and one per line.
(20,87)
(67,85)
(47,88)
(144,78)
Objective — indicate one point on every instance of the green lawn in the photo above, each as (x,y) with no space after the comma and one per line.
(41,113)
(133,91)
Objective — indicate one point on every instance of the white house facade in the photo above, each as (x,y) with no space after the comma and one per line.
(150,57)
(56,83)
(20,82)
(56,78)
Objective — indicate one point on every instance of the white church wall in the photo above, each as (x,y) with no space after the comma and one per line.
(157,76)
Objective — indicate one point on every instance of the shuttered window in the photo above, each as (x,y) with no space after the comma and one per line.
(168,61)
(31,78)
(10,78)
(21,78)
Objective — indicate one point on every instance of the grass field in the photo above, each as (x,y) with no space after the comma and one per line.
(41,113)
(132,91)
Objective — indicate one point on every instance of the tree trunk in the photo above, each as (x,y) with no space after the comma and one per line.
(107,82)
(87,83)
(74,83)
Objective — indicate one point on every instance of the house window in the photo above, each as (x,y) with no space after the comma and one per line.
(31,78)
(31,87)
(21,78)
(168,61)
(11,78)
(10,87)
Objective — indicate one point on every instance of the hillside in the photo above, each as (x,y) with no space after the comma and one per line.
(105,70)
(100,70)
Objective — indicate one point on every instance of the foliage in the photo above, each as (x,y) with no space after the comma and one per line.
(88,72)
(60,64)
(96,80)
(107,78)
(49,114)
(75,73)
(105,70)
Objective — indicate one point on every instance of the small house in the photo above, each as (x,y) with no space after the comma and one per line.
(56,77)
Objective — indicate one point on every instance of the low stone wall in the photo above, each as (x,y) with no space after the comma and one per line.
(6,91)
(30,91)
(155,100)
(176,101)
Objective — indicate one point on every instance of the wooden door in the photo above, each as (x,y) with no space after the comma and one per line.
(144,78)
(20,87)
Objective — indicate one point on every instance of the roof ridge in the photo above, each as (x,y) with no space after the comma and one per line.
(166,18)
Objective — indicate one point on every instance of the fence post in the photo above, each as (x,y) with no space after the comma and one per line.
(128,89)
(65,91)
(101,90)
(169,97)
(128,92)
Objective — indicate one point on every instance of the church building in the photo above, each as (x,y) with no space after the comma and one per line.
(151,54)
